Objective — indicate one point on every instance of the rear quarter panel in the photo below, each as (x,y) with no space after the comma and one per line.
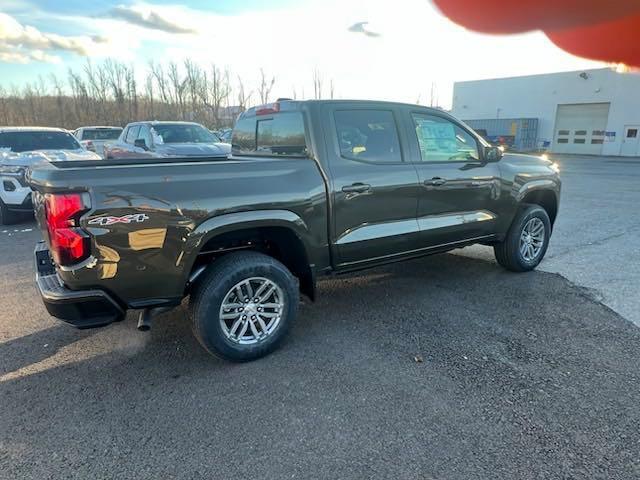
(142,261)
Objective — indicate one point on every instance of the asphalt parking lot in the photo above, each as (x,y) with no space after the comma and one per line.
(521,375)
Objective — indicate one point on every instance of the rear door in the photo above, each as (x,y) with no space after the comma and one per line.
(459,192)
(374,189)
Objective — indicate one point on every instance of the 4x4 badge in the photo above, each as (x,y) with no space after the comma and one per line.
(104,221)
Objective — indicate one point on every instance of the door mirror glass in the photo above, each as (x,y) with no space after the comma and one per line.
(492,154)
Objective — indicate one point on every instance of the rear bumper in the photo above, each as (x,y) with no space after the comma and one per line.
(80,308)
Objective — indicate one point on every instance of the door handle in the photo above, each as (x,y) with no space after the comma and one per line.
(357,188)
(435,182)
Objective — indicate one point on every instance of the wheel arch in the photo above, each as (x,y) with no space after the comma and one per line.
(280,234)
(541,192)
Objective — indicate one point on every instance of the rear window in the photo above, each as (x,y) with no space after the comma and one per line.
(277,135)
(101,134)
(31,141)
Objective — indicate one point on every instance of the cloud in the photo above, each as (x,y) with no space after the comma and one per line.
(149,19)
(17,56)
(360,28)
(23,43)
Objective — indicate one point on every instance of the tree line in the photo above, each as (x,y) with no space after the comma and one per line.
(112,93)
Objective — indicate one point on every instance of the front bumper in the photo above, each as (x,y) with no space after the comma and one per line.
(80,308)
(18,199)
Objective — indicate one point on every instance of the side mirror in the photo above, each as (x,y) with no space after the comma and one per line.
(492,154)
(140,143)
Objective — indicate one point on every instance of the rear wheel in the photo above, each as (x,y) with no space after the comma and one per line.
(7,217)
(244,305)
(527,240)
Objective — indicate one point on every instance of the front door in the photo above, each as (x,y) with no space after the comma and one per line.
(459,192)
(630,141)
(374,189)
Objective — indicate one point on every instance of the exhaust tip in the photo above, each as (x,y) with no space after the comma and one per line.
(144,321)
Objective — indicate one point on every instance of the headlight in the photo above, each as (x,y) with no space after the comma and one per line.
(11,170)
(555,167)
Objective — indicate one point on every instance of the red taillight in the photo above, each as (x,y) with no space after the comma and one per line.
(89,146)
(69,244)
(268,109)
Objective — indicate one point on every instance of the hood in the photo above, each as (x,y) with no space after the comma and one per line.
(526,164)
(194,149)
(27,159)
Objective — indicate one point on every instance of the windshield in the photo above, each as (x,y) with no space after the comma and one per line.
(184,133)
(30,141)
(101,134)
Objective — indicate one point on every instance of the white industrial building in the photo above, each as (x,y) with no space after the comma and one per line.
(594,112)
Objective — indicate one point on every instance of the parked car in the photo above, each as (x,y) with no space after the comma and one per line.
(22,147)
(165,139)
(95,138)
(312,188)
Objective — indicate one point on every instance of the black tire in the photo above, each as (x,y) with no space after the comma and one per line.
(7,217)
(219,279)
(508,252)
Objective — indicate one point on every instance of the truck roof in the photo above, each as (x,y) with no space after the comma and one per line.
(161,122)
(292,104)
(100,127)
(32,129)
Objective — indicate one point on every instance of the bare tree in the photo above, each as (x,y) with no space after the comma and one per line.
(4,107)
(112,92)
(317,84)
(148,88)
(243,97)
(265,87)
(59,98)
(178,87)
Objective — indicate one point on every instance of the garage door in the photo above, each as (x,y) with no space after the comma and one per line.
(580,128)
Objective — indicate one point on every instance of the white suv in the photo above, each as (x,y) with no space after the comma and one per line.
(20,148)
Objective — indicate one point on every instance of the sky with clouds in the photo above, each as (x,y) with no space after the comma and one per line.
(369,48)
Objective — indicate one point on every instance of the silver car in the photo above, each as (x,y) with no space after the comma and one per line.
(166,139)
(95,138)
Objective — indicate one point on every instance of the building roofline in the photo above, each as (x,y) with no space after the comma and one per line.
(548,74)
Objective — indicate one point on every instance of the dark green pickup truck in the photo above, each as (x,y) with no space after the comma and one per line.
(311,188)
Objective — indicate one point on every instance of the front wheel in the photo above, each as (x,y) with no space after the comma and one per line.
(243,307)
(527,240)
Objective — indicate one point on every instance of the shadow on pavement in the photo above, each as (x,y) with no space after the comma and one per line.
(518,376)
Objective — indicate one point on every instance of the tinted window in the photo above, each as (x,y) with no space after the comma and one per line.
(30,141)
(281,134)
(369,135)
(132,134)
(145,134)
(101,134)
(182,133)
(243,139)
(441,140)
